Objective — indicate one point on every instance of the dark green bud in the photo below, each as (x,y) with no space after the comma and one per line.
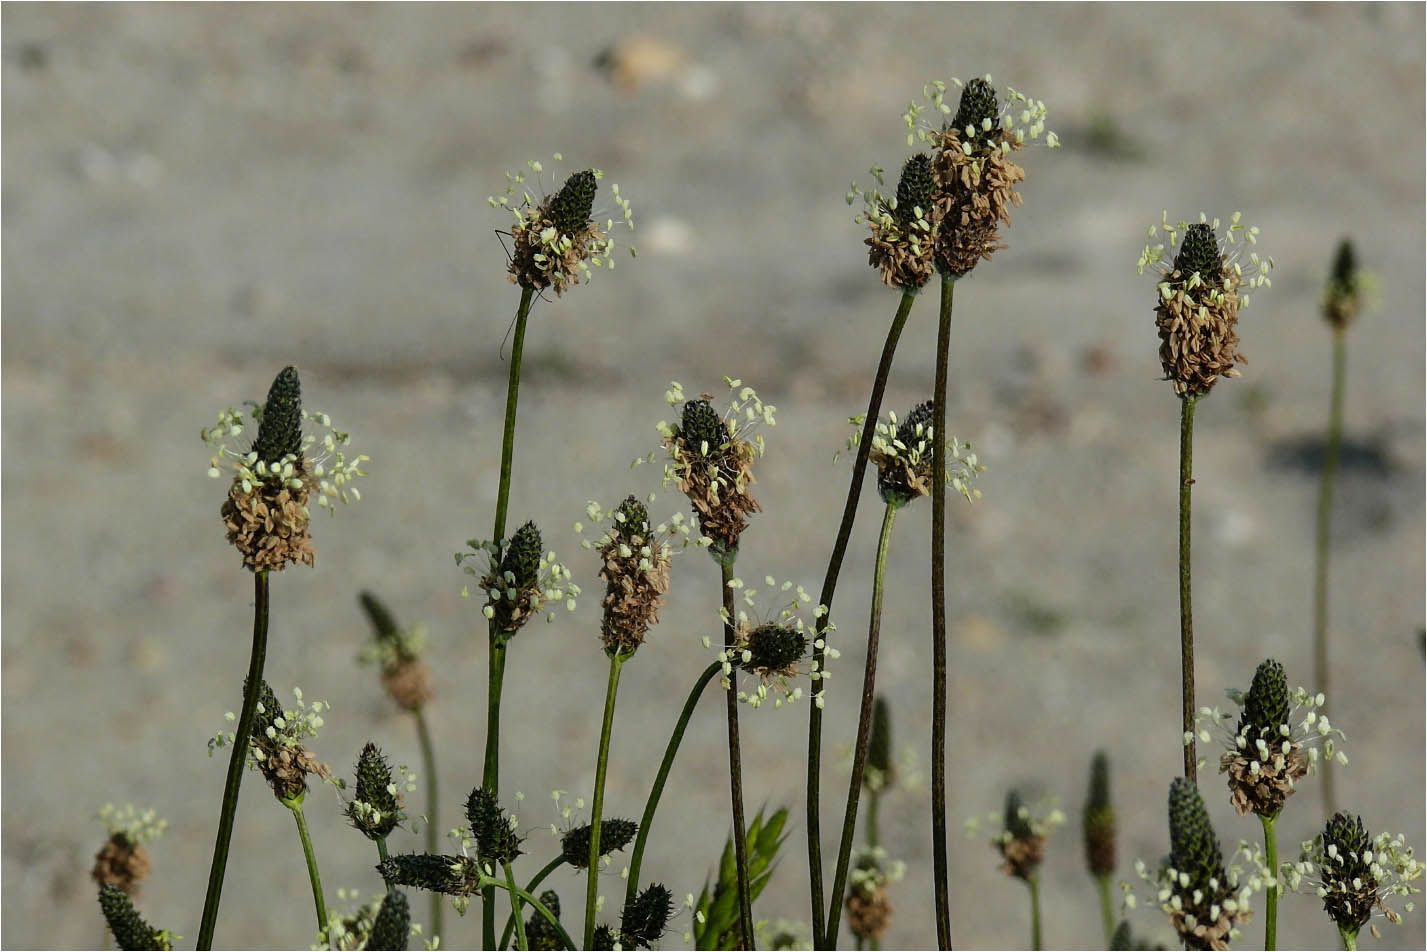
(1017,818)
(373,782)
(496,842)
(539,934)
(774,648)
(570,208)
(280,427)
(129,928)
(1199,251)
(269,710)
(700,425)
(978,103)
(383,623)
(1123,939)
(1345,266)
(645,917)
(915,188)
(631,519)
(451,875)
(1266,706)
(1193,847)
(615,835)
(1099,820)
(522,556)
(392,928)
(921,416)
(879,744)
(603,940)
(1350,906)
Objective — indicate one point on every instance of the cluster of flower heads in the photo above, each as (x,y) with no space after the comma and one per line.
(1354,872)
(869,910)
(634,565)
(902,451)
(266,511)
(520,578)
(406,678)
(949,205)
(775,650)
(1204,284)
(555,240)
(123,861)
(1275,743)
(376,807)
(711,459)
(276,748)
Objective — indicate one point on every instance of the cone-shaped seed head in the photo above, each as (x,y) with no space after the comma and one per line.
(645,917)
(915,188)
(1193,847)
(1351,885)
(522,556)
(615,835)
(1200,252)
(978,103)
(496,842)
(1100,819)
(452,875)
(392,928)
(129,928)
(1267,705)
(380,616)
(539,934)
(374,784)
(1345,265)
(631,519)
(701,425)
(879,745)
(775,648)
(571,206)
(280,429)
(1017,818)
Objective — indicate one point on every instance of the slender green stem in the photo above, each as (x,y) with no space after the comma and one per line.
(1270,841)
(428,764)
(864,728)
(1350,939)
(1321,668)
(829,589)
(383,856)
(520,941)
(490,777)
(735,760)
(592,887)
(1107,907)
(874,800)
(1186,609)
(530,888)
(1034,882)
(524,896)
(295,805)
(651,805)
(940,885)
(237,759)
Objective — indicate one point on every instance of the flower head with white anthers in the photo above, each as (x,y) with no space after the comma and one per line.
(902,451)
(276,748)
(1023,834)
(383,922)
(1275,743)
(711,457)
(266,512)
(556,242)
(377,806)
(774,648)
(1354,873)
(123,861)
(900,245)
(869,911)
(519,580)
(1204,283)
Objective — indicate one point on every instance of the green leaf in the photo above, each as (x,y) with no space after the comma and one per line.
(718,901)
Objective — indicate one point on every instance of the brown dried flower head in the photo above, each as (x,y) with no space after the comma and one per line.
(276,749)
(635,557)
(869,911)
(123,863)
(900,243)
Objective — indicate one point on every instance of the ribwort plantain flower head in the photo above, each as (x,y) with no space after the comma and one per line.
(1276,743)
(540,934)
(493,829)
(774,648)
(406,678)
(129,929)
(375,810)
(392,927)
(1344,297)
(276,748)
(1023,835)
(1354,873)
(869,910)
(1099,819)
(711,460)
(458,876)
(1204,284)
(902,451)
(900,243)
(123,861)
(266,513)
(615,834)
(881,771)
(645,916)
(520,580)
(555,241)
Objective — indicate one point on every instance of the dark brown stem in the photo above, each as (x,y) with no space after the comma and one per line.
(1186,610)
(735,761)
(940,888)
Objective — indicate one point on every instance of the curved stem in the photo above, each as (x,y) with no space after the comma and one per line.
(652,804)
(295,805)
(530,887)
(1186,610)
(864,729)
(1322,546)
(1107,907)
(517,893)
(428,764)
(1270,840)
(520,941)
(592,887)
(829,589)
(1034,882)
(735,762)
(940,888)
(237,759)
(512,397)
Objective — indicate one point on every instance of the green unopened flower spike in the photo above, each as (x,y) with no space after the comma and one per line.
(1354,873)
(880,771)
(376,808)
(1099,820)
(540,935)
(129,929)
(280,426)
(615,835)
(570,208)
(700,428)
(450,875)
(604,938)
(496,839)
(1196,891)
(644,918)
(392,928)
(1348,287)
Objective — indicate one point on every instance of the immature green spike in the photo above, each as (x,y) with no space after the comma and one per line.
(392,928)
(1199,251)
(1123,939)
(645,917)
(1267,705)
(915,188)
(380,616)
(978,103)
(374,782)
(1345,265)
(879,745)
(496,842)
(775,648)
(1193,847)
(604,938)
(280,428)
(570,208)
(631,519)
(1351,887)
(451,875)
(701,425)
(128,927)
(522,556)
(1017,818)
(539,934)
(1099,821)
(615,835)
(270,709)
(920,415)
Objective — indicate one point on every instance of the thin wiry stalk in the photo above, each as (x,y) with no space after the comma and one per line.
(1270,841)
(1186,609)
(1035,887)
(735,763)
(616,662)
(829,589)
(940,887)
(1322,545)
(530,887)
(1107,908)
(236,760)
(864,728)
(520,941)
(428,764)
(313,876)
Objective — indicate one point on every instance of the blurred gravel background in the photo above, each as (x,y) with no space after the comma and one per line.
(195,196)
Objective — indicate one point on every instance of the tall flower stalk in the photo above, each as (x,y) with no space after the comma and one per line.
(616,663)
(1203,287)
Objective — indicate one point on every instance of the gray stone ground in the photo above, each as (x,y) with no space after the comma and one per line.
(195,196)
